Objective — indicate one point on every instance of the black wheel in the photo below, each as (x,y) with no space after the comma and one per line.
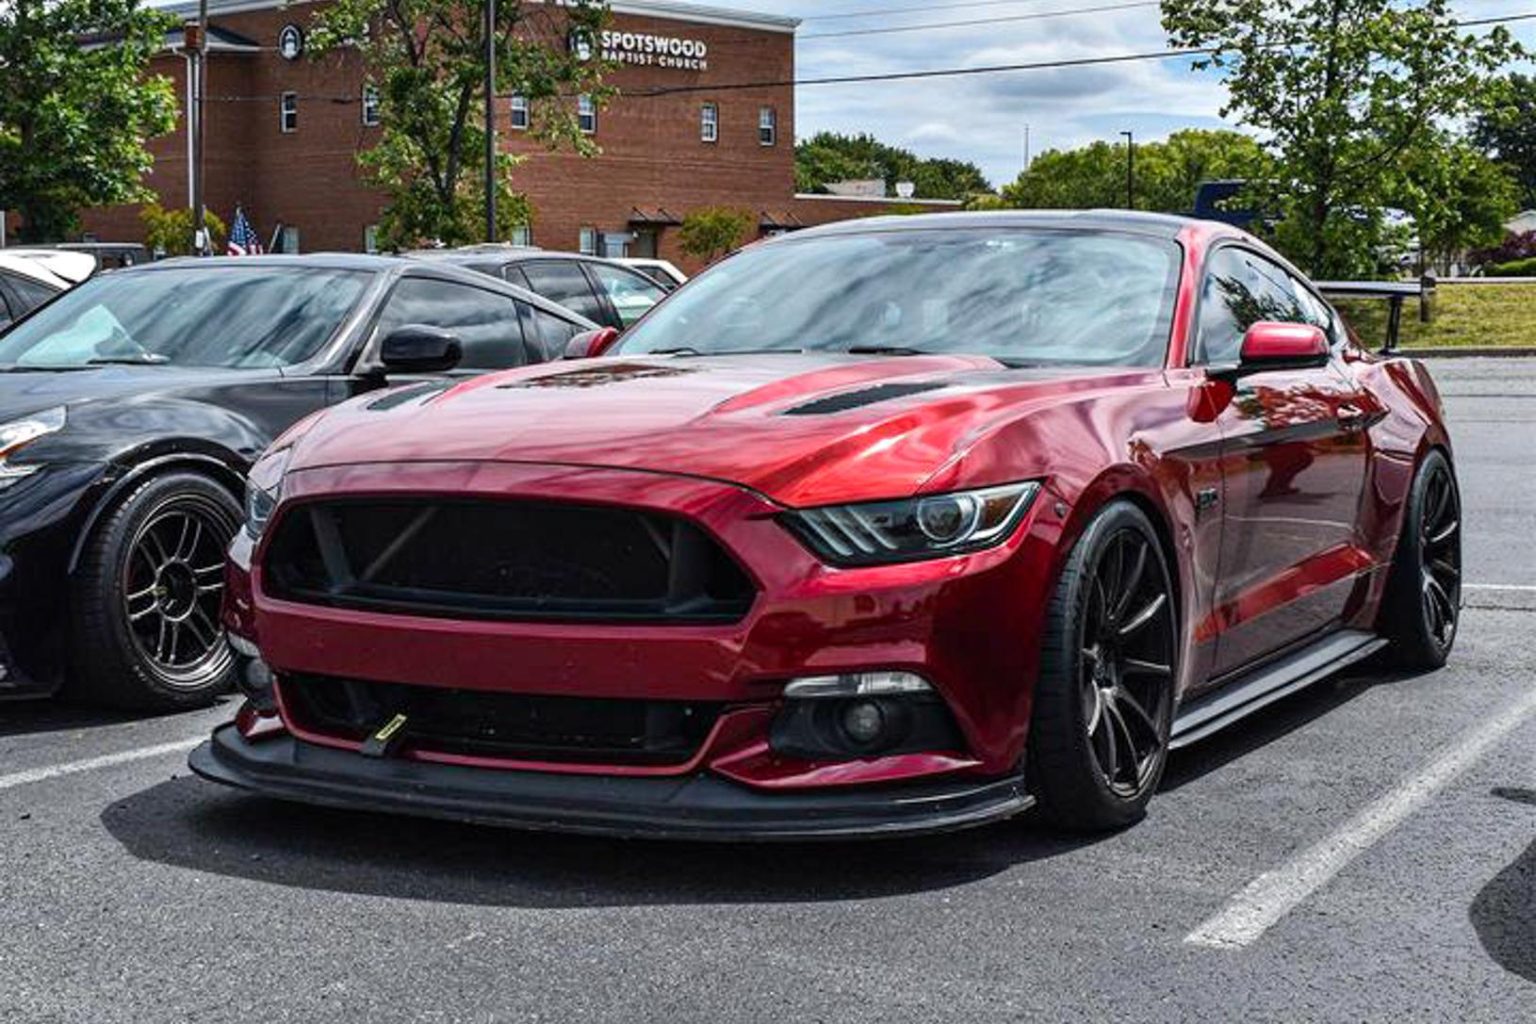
(1103,704)
(1422,606)
(145,627)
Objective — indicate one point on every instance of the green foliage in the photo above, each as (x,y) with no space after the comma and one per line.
(1166,173)
(171,232)
(428,60)
(1459,199)
(713,231)
(829,157)
(73,119)
(1514,268)
(1505,128)
(1344,90)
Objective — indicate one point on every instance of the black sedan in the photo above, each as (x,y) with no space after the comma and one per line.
(130,409)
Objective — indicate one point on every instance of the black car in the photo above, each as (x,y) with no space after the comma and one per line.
(131,407)
(603,291)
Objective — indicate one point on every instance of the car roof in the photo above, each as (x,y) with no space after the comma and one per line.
(472,255)
(1161,225)
(48,266)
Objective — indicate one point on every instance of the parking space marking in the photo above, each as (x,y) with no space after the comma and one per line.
(1519,588)
(92,763)
(1272,895)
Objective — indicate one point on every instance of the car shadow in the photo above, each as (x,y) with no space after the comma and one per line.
(1504,911)
(45,715)
(186,822)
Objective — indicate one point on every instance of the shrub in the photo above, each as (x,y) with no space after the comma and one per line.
(1514,268)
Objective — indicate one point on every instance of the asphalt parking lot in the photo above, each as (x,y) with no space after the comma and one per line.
(1366,851)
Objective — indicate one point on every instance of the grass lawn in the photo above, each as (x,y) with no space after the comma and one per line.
(1461,314)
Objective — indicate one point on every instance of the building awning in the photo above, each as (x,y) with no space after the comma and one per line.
(653,215)
(771,220)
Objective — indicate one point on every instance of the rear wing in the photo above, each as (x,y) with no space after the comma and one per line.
(1395,293)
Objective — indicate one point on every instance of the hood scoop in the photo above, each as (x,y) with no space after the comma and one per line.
(861,397)
(400,396)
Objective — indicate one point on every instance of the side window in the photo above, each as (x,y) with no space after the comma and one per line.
(486,323)
(30,293)
(564,282)
(1240,289)
(6,316)
(632,294)
(553,333)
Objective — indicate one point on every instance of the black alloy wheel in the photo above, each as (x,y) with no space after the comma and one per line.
(1103,703)
(175,583)
(1422,606)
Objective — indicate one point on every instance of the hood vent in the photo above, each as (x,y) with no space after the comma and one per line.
(863,396)
(400,396)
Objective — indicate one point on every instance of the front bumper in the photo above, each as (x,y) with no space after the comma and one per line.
(699,806)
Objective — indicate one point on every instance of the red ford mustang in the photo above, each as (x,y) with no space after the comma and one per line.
(891,526)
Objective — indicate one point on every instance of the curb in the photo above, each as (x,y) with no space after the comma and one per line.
(1467,351)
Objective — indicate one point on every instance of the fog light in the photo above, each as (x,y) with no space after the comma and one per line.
(863,722)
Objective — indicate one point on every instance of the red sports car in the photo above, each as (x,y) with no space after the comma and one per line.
(891,526)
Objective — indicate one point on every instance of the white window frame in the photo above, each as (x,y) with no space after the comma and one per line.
(586,114)
(767,126)
(370,104)
(587,243)
(522,234)
(371,238)
(521,118)
(709,122)
(288,113)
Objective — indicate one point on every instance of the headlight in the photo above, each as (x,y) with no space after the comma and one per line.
(17,433)
(263,487)
(878,532)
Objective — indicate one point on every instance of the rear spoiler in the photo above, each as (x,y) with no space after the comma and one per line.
(1394,292)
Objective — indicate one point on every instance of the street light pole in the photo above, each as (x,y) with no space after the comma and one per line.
(1130,170)
(490,120)
(199,71)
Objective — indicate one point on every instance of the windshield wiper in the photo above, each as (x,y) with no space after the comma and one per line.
(886,350)
(147,359)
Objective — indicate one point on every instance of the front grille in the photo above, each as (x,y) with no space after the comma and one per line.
(503,559)
(503,725)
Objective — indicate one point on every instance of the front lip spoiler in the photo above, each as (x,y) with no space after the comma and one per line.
(698,807)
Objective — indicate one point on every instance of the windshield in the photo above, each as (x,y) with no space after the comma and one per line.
(222,316)
(1023,296)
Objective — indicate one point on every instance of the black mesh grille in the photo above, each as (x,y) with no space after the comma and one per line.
(503,725)
(456,558)
(863,396)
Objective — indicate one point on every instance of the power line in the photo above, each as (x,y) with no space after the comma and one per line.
(878,12)
(1036,16)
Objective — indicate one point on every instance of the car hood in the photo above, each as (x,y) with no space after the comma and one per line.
(800,429)
(26,391)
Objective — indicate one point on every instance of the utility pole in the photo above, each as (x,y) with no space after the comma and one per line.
(197,67)
(490,120)
(1130,170)
(1026,146)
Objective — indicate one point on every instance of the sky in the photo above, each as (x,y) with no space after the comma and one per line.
(982,119)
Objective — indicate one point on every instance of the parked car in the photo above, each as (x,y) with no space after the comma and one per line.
(603,291)
(30,277)
(130,409)
(896,525)
(111,255)
(663,272)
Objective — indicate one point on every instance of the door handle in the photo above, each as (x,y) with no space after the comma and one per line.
(1351,416)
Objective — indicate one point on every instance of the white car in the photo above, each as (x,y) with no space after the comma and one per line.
(30,277)
(660,271)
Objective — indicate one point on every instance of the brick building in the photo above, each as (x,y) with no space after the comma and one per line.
(284,129)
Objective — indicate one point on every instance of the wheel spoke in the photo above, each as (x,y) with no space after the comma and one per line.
(1444,534)
(1096,716)
(1132,582)
(1139,666)
(1111,763)
(1124,699)
(1139,621)
(1122,733)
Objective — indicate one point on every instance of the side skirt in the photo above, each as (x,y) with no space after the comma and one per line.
(1209,713)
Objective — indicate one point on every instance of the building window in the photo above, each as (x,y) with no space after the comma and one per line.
(709,123)
(288,240)
(588,242)
(767,126)
(520,113)
(370,105)
(522,235)
(586,114)
(371,238)
(288,112)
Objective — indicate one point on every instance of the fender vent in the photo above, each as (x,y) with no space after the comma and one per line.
(862,397)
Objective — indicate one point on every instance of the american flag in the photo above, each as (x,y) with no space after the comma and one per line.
(243,240)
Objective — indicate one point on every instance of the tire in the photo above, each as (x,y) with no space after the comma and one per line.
(1106,680)
(144,628)
(1421,609)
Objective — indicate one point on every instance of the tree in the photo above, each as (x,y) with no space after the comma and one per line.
(711,232)
(1459,199)
(1505,129)
(828,157)
(73,118)
(1343,90)
(427,59)
(1167,173)
(171,232)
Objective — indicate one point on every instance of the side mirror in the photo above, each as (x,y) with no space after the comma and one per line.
(591,344)
(420,348)
(1269,345)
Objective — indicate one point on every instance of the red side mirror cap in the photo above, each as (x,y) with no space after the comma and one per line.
(1270,345)
(589,344)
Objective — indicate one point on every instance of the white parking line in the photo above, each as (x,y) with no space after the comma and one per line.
(1272,895)
(90,764)
(1517,587)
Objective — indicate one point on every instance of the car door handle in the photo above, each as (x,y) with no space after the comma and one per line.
(1351,416)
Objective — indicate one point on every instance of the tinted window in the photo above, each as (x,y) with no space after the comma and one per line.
(5,308)
(632,294)
(564,282)
(1022,295)
(230,316)
(31,293)
(553,332)
(1241,289)
(486,323)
